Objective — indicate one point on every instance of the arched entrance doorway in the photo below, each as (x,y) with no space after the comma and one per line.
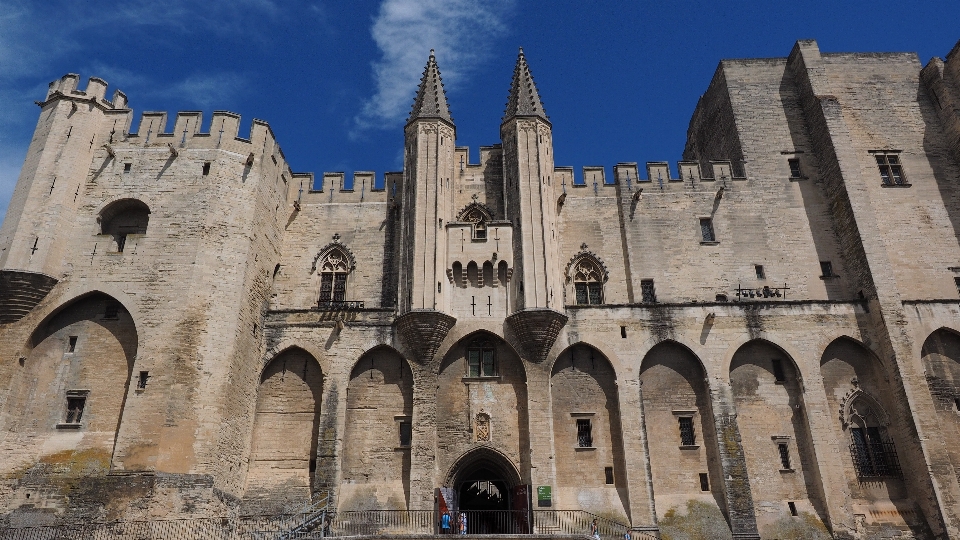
(485,488)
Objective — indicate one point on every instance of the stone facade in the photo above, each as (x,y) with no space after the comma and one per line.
(765,343)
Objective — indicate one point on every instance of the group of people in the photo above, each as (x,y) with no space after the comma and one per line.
(448,527)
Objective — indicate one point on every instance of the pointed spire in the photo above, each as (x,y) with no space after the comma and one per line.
(524,99)
(431,100)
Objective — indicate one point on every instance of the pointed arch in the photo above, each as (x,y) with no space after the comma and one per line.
(377,432)
(475,211)
(940,354)
(333,264)
(588,274)
(79,361)
(283,450)
(123,218)
(586,415)
(681,428)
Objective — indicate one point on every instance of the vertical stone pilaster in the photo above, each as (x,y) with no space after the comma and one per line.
(543,471)
(423,442)
(636,456)
(736,483)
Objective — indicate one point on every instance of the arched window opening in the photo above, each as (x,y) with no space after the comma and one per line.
(488,274)
(481,360)
(873,452)
(123,218)
(473,274)
(458,280)
(502,274)
(478,220)
(333,277)
(588,281)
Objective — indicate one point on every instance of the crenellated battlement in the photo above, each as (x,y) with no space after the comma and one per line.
(95,91)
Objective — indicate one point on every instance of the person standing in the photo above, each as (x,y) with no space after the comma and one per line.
(595,530)
(445,523)
(463,523)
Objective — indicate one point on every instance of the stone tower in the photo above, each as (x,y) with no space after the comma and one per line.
(426,201)
(531,202)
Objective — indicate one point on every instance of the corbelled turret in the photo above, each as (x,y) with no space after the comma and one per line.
(431,100)
(524,99)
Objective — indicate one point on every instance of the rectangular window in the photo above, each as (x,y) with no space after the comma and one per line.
(784,456)
(339,287)
(142,380)
(826,269)
(891,172)
(608,474)
(588,293)
(793,508)
(706,230)
(794,168)
(72,345)
(758,268)
(582,296)
(313,466)
(687,436)
(487,367)
(111,311)
(623,332)
(126,167)
(75,406)
(406,433)
(704,482)
(778,373)
(873,456)
(596,292)
(326,287)
(206,168)
(584,433)
(649,294)
(473,361)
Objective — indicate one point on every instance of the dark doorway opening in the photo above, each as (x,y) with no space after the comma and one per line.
(489,496)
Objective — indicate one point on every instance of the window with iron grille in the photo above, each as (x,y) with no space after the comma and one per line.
(333,269)
(75,406)
(647,292)
(784,456)
(873,455)
(706,230)
(891,171)
(687,436)
(481,360)
(584,433)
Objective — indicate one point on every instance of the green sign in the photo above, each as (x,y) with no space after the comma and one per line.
(544,496)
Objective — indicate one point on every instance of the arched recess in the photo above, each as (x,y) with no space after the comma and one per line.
(869,431)
(123,218)
(681,432)
(941,361)
(76,377)
(481,378)
(376,442)
(775,435)
(286,427)
(587,432)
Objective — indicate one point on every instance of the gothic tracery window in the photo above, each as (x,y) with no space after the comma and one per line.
(333,276)
(478,219)
(588,281)
(873,452)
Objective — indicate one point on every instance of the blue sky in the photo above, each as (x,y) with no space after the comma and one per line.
(335,80)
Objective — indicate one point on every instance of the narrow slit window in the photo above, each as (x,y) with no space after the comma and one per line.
(793,508)
(794,168)
(406,433)
(956,281)
(608,474)
(687,435)
(142,380)
(784,456)
(206,168)
(758,268)
(72,345)
(704,482)
(623,332)
(584,433)
(706,230)
(778,373)
(127,167)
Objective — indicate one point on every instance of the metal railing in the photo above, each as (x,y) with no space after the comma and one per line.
(340,305)
(875,459)
(316,523)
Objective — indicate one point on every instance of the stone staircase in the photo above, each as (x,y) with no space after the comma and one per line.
(20,292)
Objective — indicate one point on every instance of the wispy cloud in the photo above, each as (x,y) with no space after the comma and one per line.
(461,32)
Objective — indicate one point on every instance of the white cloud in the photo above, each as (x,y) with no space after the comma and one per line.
(460,31)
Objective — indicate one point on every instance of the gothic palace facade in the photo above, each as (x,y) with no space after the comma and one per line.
(764,337)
